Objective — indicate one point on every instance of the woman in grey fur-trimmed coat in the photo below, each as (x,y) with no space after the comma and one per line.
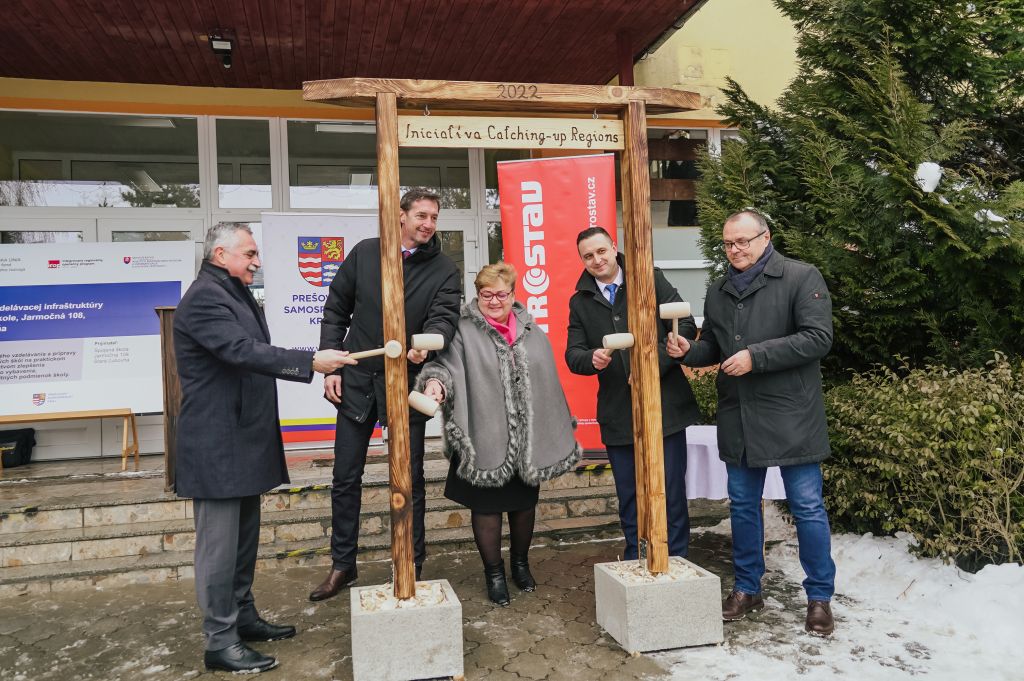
(507,425)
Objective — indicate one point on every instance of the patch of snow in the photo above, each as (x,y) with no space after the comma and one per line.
(155,669)
(988,216)
(928,176)
(898,617)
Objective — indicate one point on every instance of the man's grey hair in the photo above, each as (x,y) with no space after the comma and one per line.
(751,213)
(223,234)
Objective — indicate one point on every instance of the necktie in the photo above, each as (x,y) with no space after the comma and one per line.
(406,254)
(611,289)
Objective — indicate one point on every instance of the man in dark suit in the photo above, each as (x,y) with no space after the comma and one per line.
(229,448)
(598,308)
(354,320)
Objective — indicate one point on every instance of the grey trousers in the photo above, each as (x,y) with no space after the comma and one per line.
(227,537)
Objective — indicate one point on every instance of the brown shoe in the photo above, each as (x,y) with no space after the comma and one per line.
(738,604)
(335,582)
(819,618)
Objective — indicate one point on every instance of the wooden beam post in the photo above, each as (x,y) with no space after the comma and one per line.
(172,392)
(624,49)
(395,369)
(642,303)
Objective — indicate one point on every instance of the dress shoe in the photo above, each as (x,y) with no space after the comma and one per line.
(497,587)
(738,604)
(819,618)
(335,582)
(262,630)
(238,658)
(520,569)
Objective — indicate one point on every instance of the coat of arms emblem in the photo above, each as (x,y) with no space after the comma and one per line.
(320,257)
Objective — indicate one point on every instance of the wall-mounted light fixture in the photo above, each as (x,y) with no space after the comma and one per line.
(222,43)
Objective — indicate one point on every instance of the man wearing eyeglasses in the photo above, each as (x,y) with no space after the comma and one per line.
(597,308)
(354,320)
(768,323)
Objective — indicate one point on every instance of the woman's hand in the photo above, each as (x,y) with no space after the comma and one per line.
(434,390)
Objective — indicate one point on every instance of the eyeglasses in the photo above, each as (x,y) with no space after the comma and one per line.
(741,244)
(500,295)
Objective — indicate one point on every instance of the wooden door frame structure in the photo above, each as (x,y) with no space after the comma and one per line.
(631,105)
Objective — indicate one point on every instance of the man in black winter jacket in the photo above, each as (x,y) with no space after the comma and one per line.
(598,308)
(353,321)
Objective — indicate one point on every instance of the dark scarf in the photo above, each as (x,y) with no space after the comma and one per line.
(741,281)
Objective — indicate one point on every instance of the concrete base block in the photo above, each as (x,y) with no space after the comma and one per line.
(659,613)
(402,644)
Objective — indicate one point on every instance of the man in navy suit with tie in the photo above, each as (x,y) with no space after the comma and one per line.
(598,308)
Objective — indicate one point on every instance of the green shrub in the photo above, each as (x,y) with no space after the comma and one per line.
(934,452)
(706,392)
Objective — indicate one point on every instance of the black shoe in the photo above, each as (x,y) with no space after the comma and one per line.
(497,587)
(262,630)
(238,658)
(520,569)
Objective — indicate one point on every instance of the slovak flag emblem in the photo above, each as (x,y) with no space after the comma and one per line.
(38,399)
(320,257)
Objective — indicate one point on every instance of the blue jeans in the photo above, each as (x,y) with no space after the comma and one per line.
(621,457)
(803,492)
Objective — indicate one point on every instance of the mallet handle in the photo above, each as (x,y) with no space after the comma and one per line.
(367,353)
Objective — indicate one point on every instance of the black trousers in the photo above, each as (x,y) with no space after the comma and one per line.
(350,443)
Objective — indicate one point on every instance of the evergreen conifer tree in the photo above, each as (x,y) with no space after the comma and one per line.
(931,274)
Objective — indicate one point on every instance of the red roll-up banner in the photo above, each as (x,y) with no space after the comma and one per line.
(545,203)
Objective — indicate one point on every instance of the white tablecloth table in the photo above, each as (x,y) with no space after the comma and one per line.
(706,474)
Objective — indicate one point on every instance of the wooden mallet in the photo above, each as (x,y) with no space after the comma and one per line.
(393,349)
(675,312)
(427,341)
(617,341)
(423,404)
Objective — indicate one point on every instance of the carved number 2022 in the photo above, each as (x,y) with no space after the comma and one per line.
(518,92)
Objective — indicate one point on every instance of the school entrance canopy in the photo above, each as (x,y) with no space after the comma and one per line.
(281,43)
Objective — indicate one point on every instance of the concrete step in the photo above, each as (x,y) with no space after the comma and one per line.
(147,537)
(44,506)
(177,564)
(173,565)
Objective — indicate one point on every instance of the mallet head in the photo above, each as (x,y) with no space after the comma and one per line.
(427,341)
(422,403)
(617,341)
(679,310)
(393,349)
(675,312)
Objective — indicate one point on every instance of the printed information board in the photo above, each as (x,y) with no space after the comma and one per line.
(77,323)
(301,255)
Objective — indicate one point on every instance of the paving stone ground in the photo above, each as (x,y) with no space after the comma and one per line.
(153,631)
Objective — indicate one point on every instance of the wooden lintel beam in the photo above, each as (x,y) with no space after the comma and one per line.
(473,96)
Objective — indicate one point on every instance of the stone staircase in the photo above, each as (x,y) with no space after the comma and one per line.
(84,531)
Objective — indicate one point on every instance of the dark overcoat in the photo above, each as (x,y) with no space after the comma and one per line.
(591,317)
(229,440)
(775,414)
(354,320)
